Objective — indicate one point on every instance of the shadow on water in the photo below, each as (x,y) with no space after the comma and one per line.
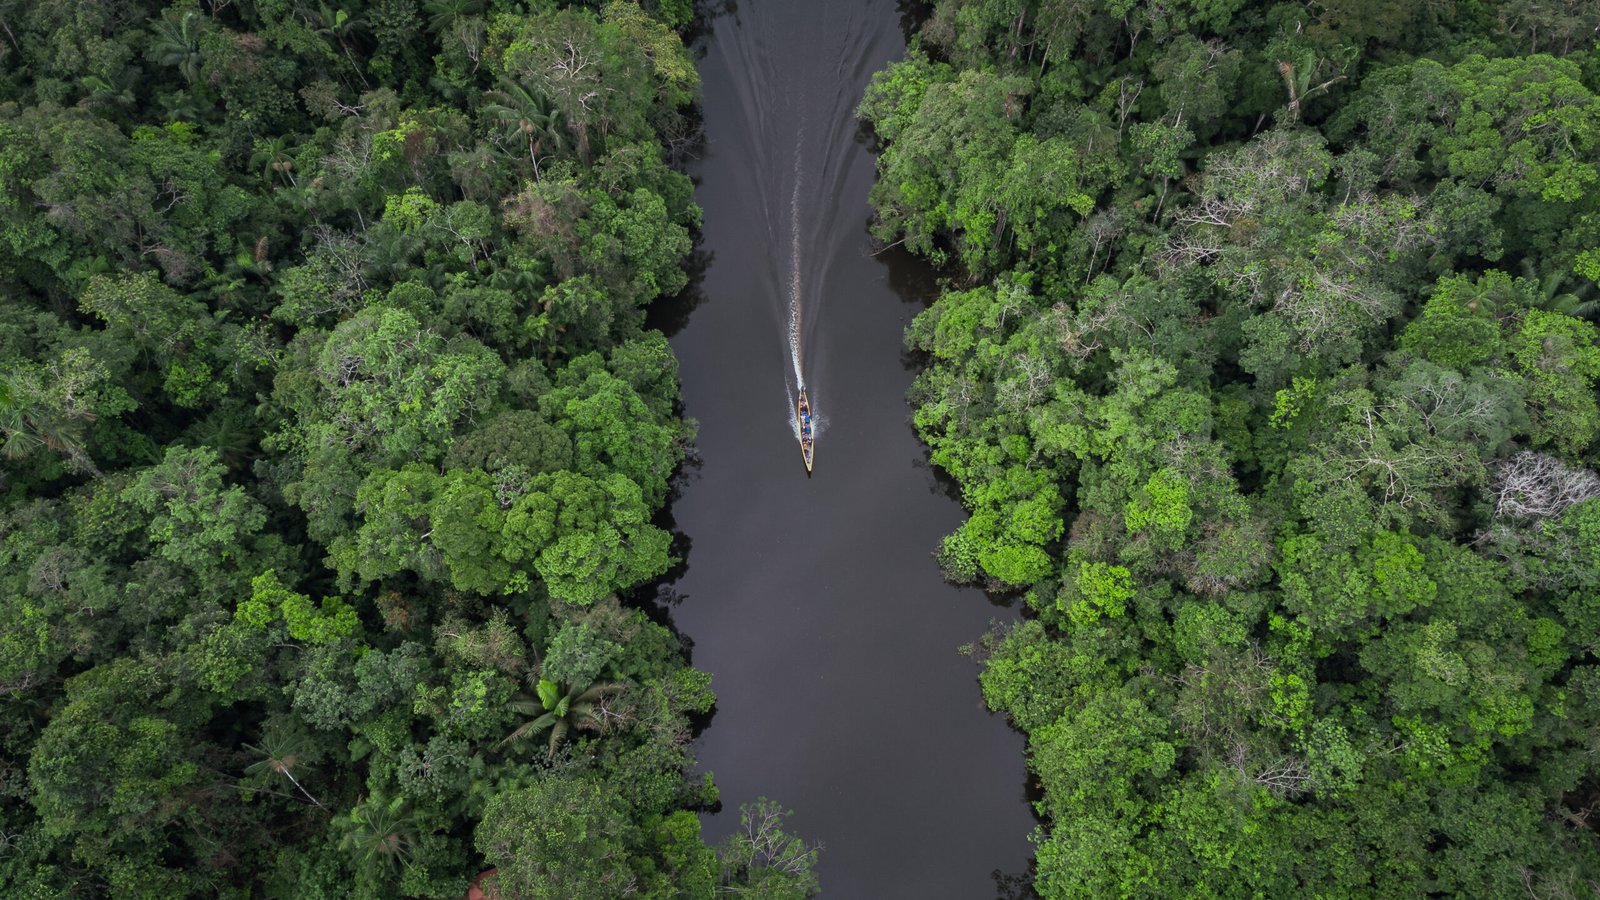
(912,281)
(912,14)
(706,15)
(670,315)
(1014,885)
(918,286)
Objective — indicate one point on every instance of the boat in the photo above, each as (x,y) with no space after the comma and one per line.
(808,433)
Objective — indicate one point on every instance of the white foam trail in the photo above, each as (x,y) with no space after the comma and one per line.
(794,264)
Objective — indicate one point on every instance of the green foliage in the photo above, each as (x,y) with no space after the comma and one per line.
(558,837)
(1288,402)
(576,655)
(1354,591)
(1296,481)
(1163,507)
(112,765)
(950,178)
(1097,590)
(561,711)
(318,298)
(584,537)
(380,836)
(49,406)
(1457,327)
(1018,515)
(1559,359)
(763,860)
(613,430)
(395,390)
(334,621)
(196,521)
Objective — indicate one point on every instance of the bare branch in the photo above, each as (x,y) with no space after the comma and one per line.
(1533,485)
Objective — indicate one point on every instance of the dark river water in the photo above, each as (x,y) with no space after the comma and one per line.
(814,601)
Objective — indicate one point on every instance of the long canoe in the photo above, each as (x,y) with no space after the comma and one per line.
(808,434)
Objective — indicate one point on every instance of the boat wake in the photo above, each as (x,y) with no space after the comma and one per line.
(804,141)
(796,357)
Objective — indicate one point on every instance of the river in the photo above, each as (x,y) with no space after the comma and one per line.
(814,601)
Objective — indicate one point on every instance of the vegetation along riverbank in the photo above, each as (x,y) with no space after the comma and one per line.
(1269,381)
(331,433)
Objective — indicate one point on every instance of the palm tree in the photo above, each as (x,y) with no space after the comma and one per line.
(1299,75)
(33,417)
(343,28)
(577,708)
(1488,295)
(282,753)
(379,834)
(275,155)
(1545,292)
(443,13)
(100,92)
(232,430)
(182,106)
(520,280)
(176,43)
(529,117)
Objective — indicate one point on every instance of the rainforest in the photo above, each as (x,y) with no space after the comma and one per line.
(401,494)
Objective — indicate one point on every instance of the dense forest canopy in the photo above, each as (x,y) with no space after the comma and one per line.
(1269,379)
(331,432)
